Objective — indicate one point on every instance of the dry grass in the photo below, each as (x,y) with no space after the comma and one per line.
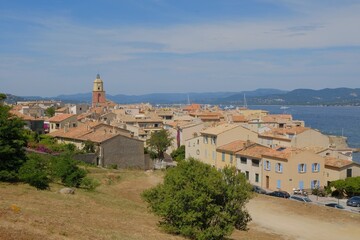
(114,211)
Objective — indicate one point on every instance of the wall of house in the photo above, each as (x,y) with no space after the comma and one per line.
(274,142)
(193,147)
(228,160)
(250,167)
(124,152)
(310,138)
(290,177)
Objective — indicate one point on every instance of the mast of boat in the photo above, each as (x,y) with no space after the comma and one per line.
(245,103)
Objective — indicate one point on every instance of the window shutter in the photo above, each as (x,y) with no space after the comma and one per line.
(318,167)
(280,167)
(278,184)
(265,162)
(301,184)
(312,184)
(269,166)
(313,167)
(304,167)
(299,168)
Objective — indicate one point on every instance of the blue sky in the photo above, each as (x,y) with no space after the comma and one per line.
(49,48)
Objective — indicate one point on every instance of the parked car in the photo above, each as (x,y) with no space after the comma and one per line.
(334,205)
(354,201)
(258,189)
(301,199)
(281,194)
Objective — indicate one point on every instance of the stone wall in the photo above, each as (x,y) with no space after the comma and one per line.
(87,157)
(123,151)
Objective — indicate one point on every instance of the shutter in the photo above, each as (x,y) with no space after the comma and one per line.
(318,167)
(313,167)
(278,184)
(312,184)
(265,165)
(299,168)
(280,167)
(269,166)
(301,185)
(304,167)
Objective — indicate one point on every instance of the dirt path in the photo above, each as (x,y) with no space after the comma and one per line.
(295,220)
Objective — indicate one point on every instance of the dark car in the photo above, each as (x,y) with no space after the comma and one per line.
(280,194)
(334,205)
(354,201)
(258,189)
(301,199)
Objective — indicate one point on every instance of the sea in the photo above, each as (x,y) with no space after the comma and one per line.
(331,120)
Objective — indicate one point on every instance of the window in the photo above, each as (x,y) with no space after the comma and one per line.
(278,167)
(349,172)
(243,160)
(267,166)
(255,163)
(302,168)
(315,167)
(205,140)
(223,156)
(213,140)
(256,177)
(247,175)
(315,184)
(231,158)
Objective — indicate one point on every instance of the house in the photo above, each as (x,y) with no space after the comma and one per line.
(34,124)
(62,121)
(336,169)
(114,146)
(220,135)
(226,154)
(288,168)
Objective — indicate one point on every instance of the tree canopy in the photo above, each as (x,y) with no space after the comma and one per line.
(159,142)
(199,202)
(347,187)
(12,141)
(178,154)
(50,111)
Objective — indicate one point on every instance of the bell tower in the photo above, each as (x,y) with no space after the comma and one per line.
(98,94)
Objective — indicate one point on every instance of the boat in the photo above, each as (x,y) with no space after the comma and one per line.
(284,107)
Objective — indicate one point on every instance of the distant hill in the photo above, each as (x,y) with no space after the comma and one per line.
(337,96)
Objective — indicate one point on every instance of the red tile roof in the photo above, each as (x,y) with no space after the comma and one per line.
(61,117)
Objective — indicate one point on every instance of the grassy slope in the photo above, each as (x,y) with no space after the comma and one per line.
(114,211)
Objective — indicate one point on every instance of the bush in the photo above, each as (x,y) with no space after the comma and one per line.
(34,172)
(89,183)
(198,202)
(178,154)
(65,168)
(348,187)
(318,192)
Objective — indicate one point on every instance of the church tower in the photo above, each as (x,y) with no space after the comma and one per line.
(98,95)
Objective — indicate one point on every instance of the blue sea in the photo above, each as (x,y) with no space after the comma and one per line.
(340,120)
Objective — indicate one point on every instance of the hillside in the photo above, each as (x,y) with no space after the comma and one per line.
(116,211)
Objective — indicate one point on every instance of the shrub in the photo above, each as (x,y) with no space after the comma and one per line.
(34,172)
(198,202)
(65,168)
(178,154)
(89,183)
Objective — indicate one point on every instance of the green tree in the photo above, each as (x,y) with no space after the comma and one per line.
(178,154)
(159,142)
(349,186)
(65,168)
(199,202)
(12,141)
(2,97)
(88,146)
(35,172)
(50,112)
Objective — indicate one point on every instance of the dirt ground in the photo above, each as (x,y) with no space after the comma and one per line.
(116,211)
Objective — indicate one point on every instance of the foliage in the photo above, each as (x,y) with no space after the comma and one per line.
(152,154)
(50,112)
(35,172)
(12,141)
(112,166)
(89,184)
(88,146)
(199,202)
(47,144)
(2,96)
(347,187)
(321,192)
(178,154)
(65,168)
(159,142)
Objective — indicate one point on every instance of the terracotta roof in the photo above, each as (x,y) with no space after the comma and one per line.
(337,163)
(22,116)
(61,117)
(282,152)
(253,151)
(239,118)
(91,131)
(63,109)
(219,129)
(282,133)
(192,107)
(233,146)
(277,118)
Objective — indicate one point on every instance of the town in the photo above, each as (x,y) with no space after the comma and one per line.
(274,151)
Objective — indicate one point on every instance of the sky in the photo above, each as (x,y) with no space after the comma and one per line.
(49,48)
